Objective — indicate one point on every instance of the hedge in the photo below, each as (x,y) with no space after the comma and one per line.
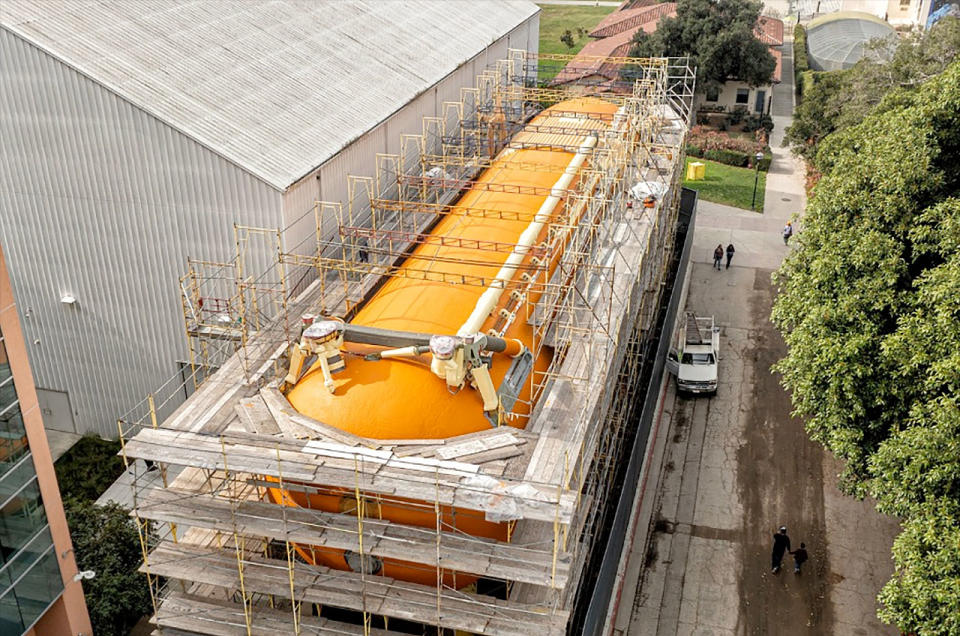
(731,157)
(801,63)
(88,468)
(807,80)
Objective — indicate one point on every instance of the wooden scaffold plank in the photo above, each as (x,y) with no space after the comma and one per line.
(195,614)
(449,483)
(377,595)
(383,539)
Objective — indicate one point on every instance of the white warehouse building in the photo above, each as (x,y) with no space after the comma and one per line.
(135,134)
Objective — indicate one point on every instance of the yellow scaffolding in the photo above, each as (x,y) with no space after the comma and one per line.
(236,436)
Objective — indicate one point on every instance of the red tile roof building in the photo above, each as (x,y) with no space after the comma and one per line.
(615,32)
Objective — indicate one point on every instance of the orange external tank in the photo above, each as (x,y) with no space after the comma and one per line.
(401,397)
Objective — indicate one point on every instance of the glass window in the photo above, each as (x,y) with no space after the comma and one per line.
(21,518)
(13,437)
(16,477)
(713,93)
(697,358)
(6,374)
(25,597)
(743,95)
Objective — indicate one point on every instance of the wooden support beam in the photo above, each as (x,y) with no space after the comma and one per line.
(383,539)
(425,479)
(193,614)
(375,594)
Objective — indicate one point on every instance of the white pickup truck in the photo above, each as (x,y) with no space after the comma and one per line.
(694,360)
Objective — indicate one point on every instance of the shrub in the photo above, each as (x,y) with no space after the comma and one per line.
(801,63)
(766,161)
(733,151)
(758,122)
(713,140)
(106,540)
(737,114)
(729,157)
(808,80)
(88,468)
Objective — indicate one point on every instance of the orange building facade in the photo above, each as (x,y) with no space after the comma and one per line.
(38,594)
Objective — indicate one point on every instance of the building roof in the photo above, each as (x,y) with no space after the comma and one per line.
(624,19)
(769,30)
(838,40)
(617,30)
(275,86)
(589,60)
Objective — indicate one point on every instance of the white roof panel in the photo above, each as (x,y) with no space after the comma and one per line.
(275,86)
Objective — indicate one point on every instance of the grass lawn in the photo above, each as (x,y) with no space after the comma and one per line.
(555,19)
(728,185)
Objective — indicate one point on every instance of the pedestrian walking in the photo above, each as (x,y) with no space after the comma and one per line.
(781,544)
(730,251)
(718,256)
(787,232)
(799,557)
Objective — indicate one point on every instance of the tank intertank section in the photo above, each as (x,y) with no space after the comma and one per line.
(401,398)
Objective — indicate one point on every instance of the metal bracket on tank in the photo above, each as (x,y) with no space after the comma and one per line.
(513,381)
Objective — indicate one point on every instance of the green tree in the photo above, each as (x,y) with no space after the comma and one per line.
(891,70)
(105,540)
(816,115)
(717,35)
(923,596)
(869,305)
(567,38)
(89,467)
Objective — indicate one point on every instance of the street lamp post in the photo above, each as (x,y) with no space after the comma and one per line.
(756,178)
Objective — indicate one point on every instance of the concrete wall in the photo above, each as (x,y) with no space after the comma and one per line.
(102,201)
(727,97)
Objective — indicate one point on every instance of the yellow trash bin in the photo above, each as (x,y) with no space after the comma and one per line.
(696,170)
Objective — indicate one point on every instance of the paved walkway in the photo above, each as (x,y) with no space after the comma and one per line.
(60,442)
(725,472)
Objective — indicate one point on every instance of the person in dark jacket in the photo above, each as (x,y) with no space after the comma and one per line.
(799,557)
(730,252)
(781,544)
(718,256)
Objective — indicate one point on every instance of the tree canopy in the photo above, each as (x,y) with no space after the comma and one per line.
(105,540)
(717,35)
(839,99)
(869,305)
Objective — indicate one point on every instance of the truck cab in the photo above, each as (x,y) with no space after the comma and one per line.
(694,358)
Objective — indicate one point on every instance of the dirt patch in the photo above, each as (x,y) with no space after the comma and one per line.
(681,425)
(662,525)
(780,482)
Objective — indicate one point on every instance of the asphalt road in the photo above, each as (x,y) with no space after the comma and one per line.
(725,472)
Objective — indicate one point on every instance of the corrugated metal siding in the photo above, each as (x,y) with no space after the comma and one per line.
(359,158)
(276,86)
(103,201)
